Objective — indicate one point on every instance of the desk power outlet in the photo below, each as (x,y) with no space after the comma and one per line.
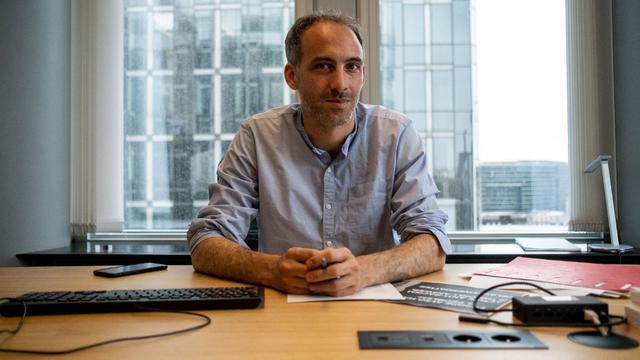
(556,309)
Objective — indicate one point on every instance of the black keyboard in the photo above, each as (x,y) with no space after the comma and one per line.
(81,302)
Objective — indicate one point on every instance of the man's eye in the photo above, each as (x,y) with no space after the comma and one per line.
(322,67)
(353,67)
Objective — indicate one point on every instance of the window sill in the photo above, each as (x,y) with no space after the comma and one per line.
(172,252)
(505,251)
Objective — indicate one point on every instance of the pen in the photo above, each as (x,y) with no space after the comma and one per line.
(324,265)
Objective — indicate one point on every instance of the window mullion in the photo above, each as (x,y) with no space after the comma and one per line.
(367,15)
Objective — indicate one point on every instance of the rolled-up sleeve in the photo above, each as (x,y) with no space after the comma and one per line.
(234,199)
(413,202)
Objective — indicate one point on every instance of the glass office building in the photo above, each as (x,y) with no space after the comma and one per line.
(427,56)
(523,192)
(194,70)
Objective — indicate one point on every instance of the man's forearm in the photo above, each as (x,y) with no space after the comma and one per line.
(221,257)
(417,256)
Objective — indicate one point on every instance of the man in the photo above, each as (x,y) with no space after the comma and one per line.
(334,182)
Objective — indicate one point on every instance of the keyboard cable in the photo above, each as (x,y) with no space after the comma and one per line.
(207,321)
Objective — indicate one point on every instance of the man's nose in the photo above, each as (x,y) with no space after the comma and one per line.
(339,79)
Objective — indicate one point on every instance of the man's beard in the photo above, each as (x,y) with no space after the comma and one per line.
(328,120)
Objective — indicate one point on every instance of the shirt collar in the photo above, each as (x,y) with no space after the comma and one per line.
(297,117)
(359,118)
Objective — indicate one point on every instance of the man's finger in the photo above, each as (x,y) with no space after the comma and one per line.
(317,261)
(333,272)
(326,257)
(291,268)
(300,254)
(331,287)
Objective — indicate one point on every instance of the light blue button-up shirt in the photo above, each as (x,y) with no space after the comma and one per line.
(374,194)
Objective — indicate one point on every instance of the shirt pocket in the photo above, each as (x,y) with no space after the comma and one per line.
(367,213)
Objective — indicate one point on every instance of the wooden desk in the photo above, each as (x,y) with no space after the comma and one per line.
(326,330)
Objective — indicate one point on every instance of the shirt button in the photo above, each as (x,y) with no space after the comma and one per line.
(328,169)
(329,243)
(328,206)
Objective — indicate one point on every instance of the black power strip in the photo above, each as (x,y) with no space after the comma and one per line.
(449,339)
(556,309)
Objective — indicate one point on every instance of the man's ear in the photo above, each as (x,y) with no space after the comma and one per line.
(290,76)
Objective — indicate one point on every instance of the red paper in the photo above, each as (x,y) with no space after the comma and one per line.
(620,278)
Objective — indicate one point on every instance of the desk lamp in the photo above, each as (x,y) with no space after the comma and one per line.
(615,247)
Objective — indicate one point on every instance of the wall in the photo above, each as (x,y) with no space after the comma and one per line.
(34,126)
(626,64)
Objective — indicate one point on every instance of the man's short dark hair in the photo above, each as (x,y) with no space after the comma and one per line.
(293,41)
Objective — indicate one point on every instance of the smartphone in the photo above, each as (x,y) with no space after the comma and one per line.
(117,271)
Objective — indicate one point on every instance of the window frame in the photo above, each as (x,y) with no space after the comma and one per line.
(99,214)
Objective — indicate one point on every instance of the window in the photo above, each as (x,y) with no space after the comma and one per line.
(193,71)
(485,84)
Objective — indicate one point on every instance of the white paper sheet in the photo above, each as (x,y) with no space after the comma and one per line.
(547,244)
(377,292)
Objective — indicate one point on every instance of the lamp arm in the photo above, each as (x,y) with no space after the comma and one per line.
(608,195)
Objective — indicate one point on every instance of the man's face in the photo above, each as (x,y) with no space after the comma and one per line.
(330,74)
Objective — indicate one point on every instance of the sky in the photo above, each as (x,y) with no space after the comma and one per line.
(521,80)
